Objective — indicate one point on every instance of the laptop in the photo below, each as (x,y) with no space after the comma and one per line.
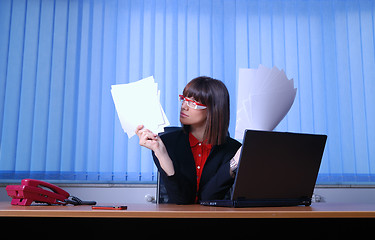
(275,169)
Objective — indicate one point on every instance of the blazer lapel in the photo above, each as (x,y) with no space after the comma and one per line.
(208,165)
(186,159)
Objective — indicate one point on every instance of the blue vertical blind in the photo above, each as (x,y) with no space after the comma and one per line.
(59,58)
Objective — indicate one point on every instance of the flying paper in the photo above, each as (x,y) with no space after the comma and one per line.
(264,97)
(138,103)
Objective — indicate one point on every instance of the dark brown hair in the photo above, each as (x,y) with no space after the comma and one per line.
(214,94)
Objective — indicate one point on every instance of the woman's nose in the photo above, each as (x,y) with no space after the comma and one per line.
(184,105)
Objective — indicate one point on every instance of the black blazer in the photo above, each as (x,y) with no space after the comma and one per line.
(182,186)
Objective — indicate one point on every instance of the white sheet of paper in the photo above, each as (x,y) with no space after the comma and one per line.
(268,109)
(138,103)
(240,125)
(246,84)
(264,97)
(269,79)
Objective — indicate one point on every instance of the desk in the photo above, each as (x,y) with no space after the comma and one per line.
(191,220)
(317,210)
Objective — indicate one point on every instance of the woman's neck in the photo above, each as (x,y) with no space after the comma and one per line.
(198,131)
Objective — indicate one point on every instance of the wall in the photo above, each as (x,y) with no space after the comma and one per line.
(104,194)
(346,195)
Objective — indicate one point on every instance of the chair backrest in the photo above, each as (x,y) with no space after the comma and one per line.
(161,191)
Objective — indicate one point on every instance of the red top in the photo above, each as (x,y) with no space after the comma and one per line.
(200,150)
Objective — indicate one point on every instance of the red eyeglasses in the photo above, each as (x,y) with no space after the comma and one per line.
(192,103)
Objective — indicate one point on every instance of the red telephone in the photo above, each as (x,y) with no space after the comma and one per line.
(32,190)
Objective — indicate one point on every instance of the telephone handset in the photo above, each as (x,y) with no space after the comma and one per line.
(32,190)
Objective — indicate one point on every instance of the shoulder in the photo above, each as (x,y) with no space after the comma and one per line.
(172,135)
(232,143)
(228,149)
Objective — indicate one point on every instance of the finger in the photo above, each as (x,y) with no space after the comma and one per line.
(145,130)
(143,139)
(147,142)
(139,127)
(148,135)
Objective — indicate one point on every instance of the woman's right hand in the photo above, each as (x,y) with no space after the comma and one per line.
(147,138)
(153,142)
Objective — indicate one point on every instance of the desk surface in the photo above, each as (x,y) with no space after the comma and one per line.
(317,210)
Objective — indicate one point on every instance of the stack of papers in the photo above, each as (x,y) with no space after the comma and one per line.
(138,103)
(264,98)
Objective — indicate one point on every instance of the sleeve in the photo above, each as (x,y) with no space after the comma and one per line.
(218,186)
(179,190)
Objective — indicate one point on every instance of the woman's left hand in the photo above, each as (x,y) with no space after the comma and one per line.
(237,155)
(234,162)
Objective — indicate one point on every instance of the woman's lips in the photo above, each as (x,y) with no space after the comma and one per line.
(183,115)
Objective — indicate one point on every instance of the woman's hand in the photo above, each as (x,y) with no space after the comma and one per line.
(234,162)
(148,139)
(153,142)
(237,155)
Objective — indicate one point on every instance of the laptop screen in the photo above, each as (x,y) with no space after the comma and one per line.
(278,165)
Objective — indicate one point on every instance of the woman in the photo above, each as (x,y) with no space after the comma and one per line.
(196,162)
